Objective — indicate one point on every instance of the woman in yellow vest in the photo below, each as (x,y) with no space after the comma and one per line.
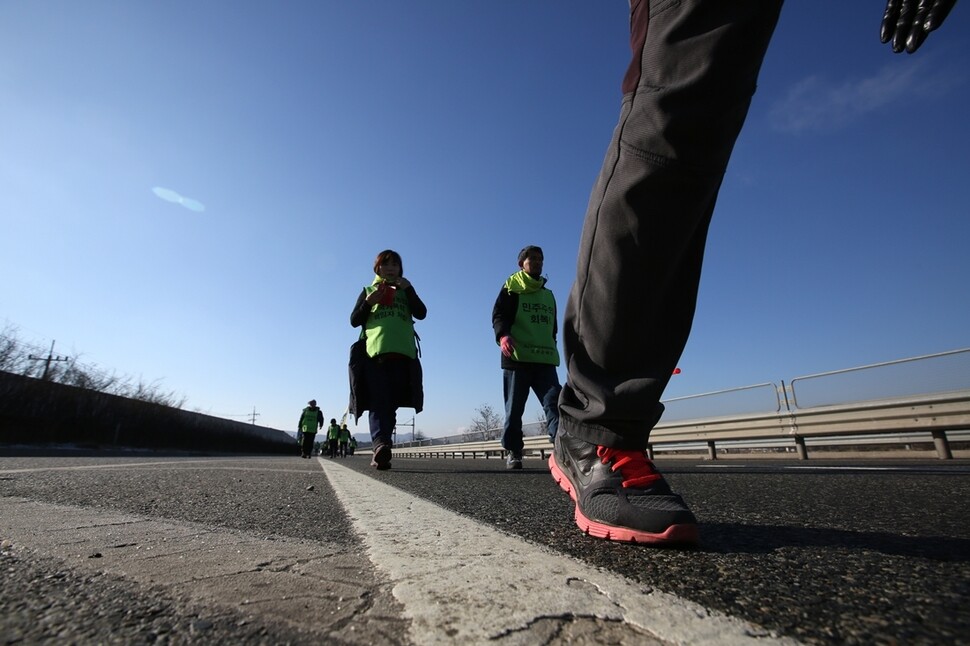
(391,377)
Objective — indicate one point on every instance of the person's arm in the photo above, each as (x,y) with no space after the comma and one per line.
(503,313)
(418,309)
(361,310)
(555,321)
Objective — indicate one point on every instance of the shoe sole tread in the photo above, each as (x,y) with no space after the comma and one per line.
(675,534)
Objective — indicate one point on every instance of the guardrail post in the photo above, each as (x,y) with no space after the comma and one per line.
(801,448)
(942,445)
(711,450)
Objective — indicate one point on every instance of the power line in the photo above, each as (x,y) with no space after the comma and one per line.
(48,360)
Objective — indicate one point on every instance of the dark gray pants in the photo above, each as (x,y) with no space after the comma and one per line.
(686,95)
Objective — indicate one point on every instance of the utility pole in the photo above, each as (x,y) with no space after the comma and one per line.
(254,416)
(47,360)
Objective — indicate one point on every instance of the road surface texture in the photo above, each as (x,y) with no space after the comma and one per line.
(178,548)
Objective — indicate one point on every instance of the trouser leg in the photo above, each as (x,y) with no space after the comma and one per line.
(383,379)
(547,388)
(630,309)
(515,386)
(382,423)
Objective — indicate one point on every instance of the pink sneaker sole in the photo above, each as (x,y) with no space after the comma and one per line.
(675,534)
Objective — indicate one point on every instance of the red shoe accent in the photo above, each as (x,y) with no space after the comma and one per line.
(637,470)
(673,534)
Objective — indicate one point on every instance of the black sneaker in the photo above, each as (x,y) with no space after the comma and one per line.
(620,495)
(382,457)
(513,461)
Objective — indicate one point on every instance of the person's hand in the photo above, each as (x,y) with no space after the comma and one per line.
(908,22)
(402,283)
(508,345)
(375,296)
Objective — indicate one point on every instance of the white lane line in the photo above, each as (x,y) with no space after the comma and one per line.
(183,465)
(807,466)
(463,582)
(118,465)
(832,468)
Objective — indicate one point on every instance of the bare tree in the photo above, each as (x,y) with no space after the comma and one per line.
(543,425)
(487,424)
(15,358)
(10,354)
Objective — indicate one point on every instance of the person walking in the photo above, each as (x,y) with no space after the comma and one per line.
(392,378)
(333,437)
(525,324)
(343,438)
(311,420)
(685,97)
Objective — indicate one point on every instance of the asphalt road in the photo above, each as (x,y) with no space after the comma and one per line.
(822,553)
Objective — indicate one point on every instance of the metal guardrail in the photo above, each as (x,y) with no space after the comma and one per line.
(776,412)
(930,419)
(932,416)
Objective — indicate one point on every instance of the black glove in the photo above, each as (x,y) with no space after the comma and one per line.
(908,22)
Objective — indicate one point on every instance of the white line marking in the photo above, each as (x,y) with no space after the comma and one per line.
(463,582)
(830,468)
(117,465)
(807,466)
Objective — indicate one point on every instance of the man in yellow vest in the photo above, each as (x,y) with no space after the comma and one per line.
(343,438)
(333,437)
(311,420)
(524,321)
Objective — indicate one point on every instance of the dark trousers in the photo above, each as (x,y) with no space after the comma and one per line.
(544,382)
(332,448)
(306,447)
(686,95)
(388,382)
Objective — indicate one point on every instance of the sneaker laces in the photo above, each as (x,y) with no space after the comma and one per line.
(634,466)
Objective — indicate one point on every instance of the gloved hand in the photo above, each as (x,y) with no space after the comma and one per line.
(908,22)
(507,346)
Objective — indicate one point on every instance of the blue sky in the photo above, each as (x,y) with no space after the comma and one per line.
(295,140)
